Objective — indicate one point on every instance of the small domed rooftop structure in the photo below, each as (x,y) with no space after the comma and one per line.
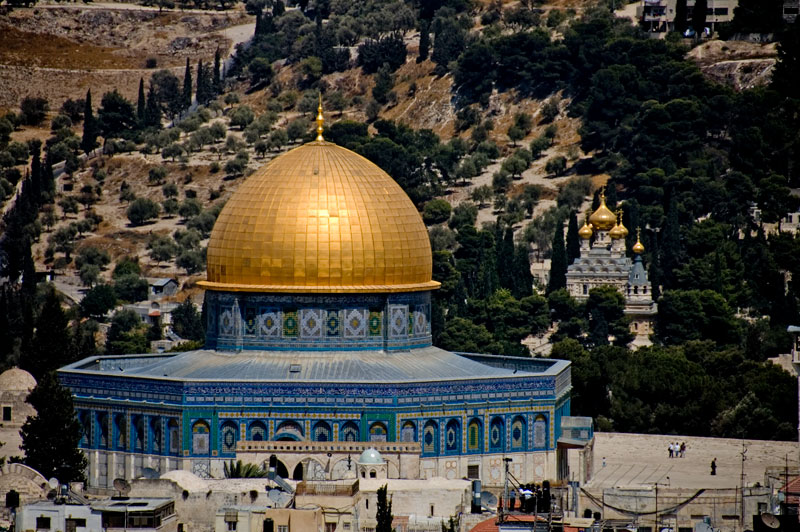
(17,380)
(371,457)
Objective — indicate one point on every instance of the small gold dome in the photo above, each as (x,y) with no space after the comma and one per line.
(638,248)
(585,232)
(603,219)
(619,230)
(319,219)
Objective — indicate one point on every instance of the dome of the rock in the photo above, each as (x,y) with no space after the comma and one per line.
(319,219)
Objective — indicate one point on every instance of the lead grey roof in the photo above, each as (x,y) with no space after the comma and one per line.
(423,364)
(638,275)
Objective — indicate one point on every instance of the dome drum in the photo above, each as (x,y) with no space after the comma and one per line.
(253,321)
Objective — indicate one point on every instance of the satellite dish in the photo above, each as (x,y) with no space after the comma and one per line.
(280,498)
(488,499)
(149,472)
(53,483)
(122,486)
(703,527)
(770,521)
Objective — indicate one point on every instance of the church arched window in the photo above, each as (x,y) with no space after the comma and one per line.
(377,432)
(408,432)
(475,435)
(540,432)
(289,431)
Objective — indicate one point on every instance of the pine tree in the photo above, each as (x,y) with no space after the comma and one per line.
(573,240)
(141,103)
(50,439)
(215,75)
(89,140)
(558,261)
(186,98)
(424,41)
(383,515)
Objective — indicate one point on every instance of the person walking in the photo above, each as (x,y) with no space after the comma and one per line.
(683,449)
(670,449)
(714,467)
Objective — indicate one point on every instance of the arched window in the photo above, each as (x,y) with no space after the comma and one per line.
(322,431)
(85,420)
(430,438)
(258,431)
(497,434)
(174,435)
(120,431)
(200,438)
(540,432)
(475,436)
(349,432)
(138,434)
(518,433)
(155,435)
(229,435)
(452,436)
(102,430)
(408,432)
(289,431)
(377,432)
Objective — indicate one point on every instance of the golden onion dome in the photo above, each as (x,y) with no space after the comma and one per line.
(319,219)
(603,219)
(638,248)
(585,232)
(618,231)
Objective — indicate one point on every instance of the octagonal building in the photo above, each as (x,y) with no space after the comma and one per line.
(318,299)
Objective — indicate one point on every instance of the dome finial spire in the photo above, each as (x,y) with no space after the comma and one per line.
(638,248)
(320,119)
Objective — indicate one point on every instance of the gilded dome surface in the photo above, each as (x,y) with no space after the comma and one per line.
(603,219)
(319,218)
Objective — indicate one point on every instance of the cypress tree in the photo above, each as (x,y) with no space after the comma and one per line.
(670,243)
(204,88)
(383,514)
(35,148)
(680,16)
(187,87)
(505,258)
(215,75)
(573,240)
(558,261)
(152,112)
(141,103)
(89,140)
(523,279)
(50,439)
(424,41)
(50,339)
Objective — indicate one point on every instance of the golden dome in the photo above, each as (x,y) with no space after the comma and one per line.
(619,230)
(585,232)
(638,248)
(603,219)
(319,219)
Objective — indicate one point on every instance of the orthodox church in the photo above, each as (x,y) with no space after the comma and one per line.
(604,262)
(318,347)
